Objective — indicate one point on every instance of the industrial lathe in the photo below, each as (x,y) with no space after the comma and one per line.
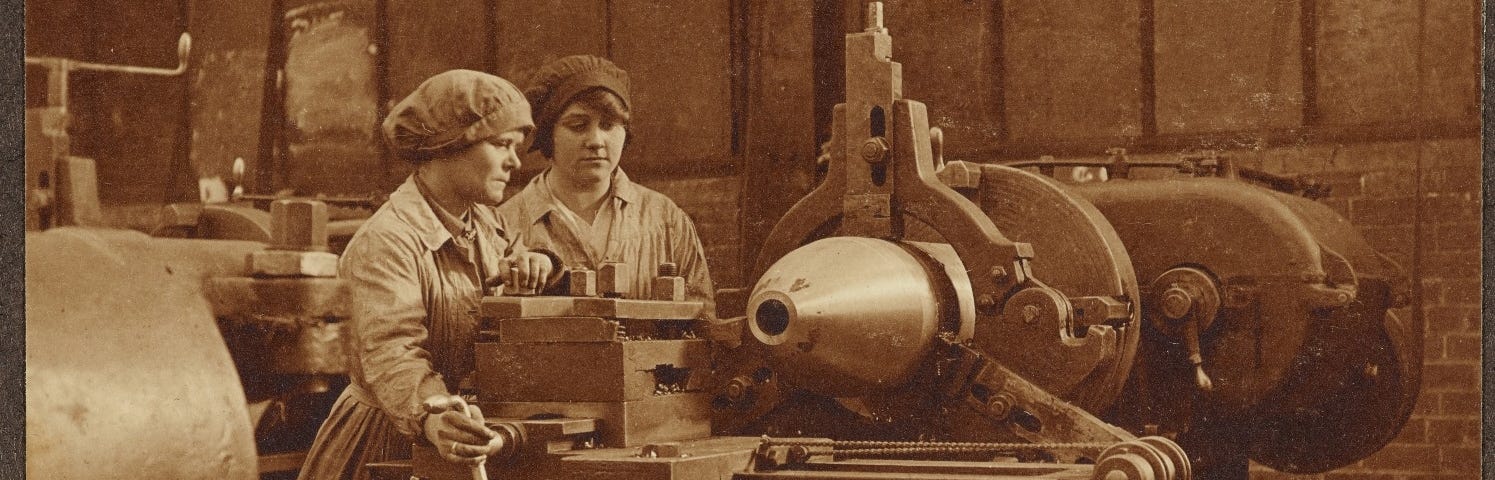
(908,318)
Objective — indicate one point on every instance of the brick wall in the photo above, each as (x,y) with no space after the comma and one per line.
(1375,186)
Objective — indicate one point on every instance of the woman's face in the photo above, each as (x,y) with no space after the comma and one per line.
(587,145)
(483,169)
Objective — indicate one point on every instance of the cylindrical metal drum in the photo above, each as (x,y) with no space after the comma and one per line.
(127,375)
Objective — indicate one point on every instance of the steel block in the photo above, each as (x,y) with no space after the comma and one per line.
(556,329)
(588,372)
(668,418)
(638,309)
(521,307)
(525,307)
(292,263)
(297,224)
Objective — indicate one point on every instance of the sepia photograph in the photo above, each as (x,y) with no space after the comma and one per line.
(752,240)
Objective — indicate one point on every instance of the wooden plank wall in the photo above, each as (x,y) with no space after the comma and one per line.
(231,44)
(741,89)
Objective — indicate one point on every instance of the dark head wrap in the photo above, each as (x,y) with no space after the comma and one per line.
(555,84)
(453,110)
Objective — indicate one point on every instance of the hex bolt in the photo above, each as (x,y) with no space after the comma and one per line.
(998,273)
(298,225)
(1030,314)
(986,302)
(611,282)
(583,283)
(1000,405)
(875,150)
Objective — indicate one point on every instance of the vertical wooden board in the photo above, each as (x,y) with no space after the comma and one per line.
(949,50)
(1367,61)
(1072,70)
(230,46)
(532,33)
(677,57)
(331,99)
(779,146)
(427,38)
(1451,59)
(132,125)
(1227,65)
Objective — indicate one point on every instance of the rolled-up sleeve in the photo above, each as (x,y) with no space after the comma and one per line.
(389,316)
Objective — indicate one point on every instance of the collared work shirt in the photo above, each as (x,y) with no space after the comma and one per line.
(415,296)
(646,229)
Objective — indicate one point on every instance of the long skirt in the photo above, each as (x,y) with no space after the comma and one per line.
(355,434)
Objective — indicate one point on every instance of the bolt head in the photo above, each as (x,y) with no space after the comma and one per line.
(1176,303)
(874,150)
(1030,314)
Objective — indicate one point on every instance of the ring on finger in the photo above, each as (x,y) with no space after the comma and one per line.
(454,447)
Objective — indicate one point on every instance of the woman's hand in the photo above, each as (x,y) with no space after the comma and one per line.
(456,429)
(526,271)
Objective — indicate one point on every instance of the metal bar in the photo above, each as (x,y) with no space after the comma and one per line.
(183,48)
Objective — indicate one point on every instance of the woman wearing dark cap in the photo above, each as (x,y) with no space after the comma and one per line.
(583,207)
(418,267)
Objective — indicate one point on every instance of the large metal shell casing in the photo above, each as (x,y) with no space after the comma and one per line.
(846,316)
(127,375)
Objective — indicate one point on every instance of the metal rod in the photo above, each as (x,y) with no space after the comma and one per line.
(183,49)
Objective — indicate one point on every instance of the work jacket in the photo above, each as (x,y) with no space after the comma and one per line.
(415,296)
(647,229)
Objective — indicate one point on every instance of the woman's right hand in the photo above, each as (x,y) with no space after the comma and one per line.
(456,429)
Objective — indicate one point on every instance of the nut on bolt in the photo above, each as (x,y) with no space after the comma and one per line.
(986,302)
(875,150)
(1000,405)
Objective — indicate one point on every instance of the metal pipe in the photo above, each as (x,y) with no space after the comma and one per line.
(183,50)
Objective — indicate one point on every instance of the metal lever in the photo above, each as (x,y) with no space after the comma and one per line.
(1184,303)
(183,49)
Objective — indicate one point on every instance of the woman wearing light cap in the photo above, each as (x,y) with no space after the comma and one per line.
(583,207)
(419,267)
